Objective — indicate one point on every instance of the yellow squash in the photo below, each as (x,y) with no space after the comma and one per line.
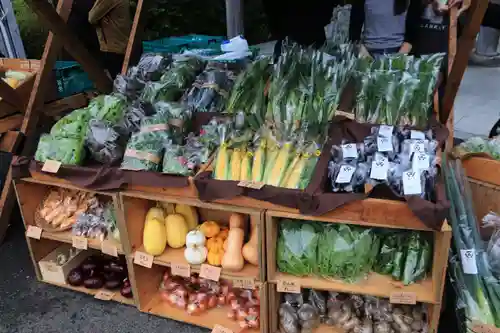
(154,236)
(190,215)
(177,229)
(155,213)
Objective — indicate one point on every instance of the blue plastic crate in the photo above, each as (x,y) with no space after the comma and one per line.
(71,79)
(180,43)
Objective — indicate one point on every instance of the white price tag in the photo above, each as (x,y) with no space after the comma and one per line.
(418,146)
(34,232)
(385,131)
(468,258)
(345,174)
(349,150)
(411,183)
(420,161)
(379,169)
(418,135)
(384,144)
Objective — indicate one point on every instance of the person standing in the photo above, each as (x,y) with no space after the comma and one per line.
(301,21)
(111,19)
(383,26)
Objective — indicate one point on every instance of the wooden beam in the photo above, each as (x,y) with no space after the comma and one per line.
(49,17)
(464,47)
(9,95)
(452,52)
(64,104)
(11,122)
(133,38)
(52,48)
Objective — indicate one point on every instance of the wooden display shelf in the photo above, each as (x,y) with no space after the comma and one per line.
(483,169)
(429,290)
(374,284)
(176,256)
(275,299)
(66,237)
(146,282)
(117,297)
(135,205)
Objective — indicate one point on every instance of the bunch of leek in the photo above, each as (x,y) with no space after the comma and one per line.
(479,293)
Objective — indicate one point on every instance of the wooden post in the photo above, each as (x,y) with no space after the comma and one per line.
(49,17)
(452,51)
(465,45)
(133,40)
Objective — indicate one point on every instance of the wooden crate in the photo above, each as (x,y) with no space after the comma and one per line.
(136,204)
(30,193)
(429,291)
(275,299)
(482,169)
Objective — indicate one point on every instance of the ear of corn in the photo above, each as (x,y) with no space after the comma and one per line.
(280,166)
(246,166)
(222,163)
(305,177)
(235,169)
(296,173)
(259,159)
(290,169)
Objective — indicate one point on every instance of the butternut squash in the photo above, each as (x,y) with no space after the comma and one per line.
(233,258)
(250,250)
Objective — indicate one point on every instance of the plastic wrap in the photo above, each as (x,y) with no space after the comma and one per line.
(105,142)
(297,247)
(174,161)
(73,125)
(152,66)
(134,114)
(129,85)
(142,154)
(346,252)
(108,107)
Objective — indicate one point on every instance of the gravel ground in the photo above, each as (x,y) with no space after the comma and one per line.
(29,306)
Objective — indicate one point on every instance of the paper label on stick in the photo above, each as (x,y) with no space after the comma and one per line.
(210,272)
(34,232)
(221,329)
(418,135)
(468,259)
(51,166)
(411,183)
(143,259)
(251,184)
(478,327)
(288,286)
(385,131)
(379,169)
(109,248)
(403,297)
(349,150)
(421,161)
(183,270)
(418,147)
(384,144)
(80,242)
(244,283)
(104,295)
(345,174)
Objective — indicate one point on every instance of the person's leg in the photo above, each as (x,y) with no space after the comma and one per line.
(113,63)
(492,16)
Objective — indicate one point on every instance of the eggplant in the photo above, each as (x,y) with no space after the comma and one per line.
(91,263)
(117,267)
(113,284)
(75,277)
(126,291)
(93,282)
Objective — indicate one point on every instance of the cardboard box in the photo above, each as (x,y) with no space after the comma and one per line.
(52,272)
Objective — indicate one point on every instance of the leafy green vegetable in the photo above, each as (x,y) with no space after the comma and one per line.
(297,247)
(385,259)
(73,125)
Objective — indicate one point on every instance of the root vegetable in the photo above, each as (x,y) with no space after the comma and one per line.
(382,327)
(351,324)
(345,316)
(231,314)
(417,325)
(366,327)
(221,300)
(399,325)
(334,314)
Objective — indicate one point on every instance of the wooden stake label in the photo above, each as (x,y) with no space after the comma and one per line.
(80,242)
(143,259)
(183,270)
(478,327)
(34,232)
(221,329)
(251,184)
(244,283)
(51,166)
(402,297)
(289,286)
(210,272)
(109,248)
(104,295)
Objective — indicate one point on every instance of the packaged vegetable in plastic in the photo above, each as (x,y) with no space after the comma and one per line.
(318,299)
(134,114)
(43,148)
(155,128)
(174,161)
(413,250)
(105,142)
(399,258)
(109,107)
(141,154)
(346,252)
(73,125)
(297,247)
(129,85)
(152,66)
(425,259)
(178,116)
(308,318)
(385,258)
(492,221)
(67,150)
(289,320)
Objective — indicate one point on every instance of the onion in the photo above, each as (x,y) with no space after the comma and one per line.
(166,275)
(165,295)
(221,300)
(253,311)
(243,324)
(180,291)
(253,323)
(241,314)
(256,294)
(231,296)
(231,314)
(225,290)
(193,309)
(212,301)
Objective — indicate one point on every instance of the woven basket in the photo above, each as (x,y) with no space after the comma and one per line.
(46,226)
